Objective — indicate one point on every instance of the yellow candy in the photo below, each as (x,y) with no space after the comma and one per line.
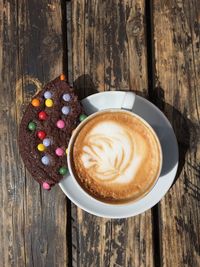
(66,151)
(41,147)
(49,103)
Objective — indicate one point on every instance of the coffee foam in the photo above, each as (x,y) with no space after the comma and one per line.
(116,157)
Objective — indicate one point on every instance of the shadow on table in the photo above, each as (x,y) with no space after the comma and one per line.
(185,130)
(84,86)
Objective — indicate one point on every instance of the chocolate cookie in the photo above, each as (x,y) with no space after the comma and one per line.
(45,131)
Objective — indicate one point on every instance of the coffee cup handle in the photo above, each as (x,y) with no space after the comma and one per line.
(128,101)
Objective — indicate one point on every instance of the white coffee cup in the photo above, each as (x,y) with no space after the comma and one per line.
(127,106)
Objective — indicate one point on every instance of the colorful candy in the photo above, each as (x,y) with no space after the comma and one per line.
(49,103)
(32,126)
(41,135)
(60,124)
(66,151)
(59,152)
(47,94)
(41,147)
(46,142)
(62,77)
(46,186)
(66,97)
(65,110)
(42,115)
(82,117)
(45,160)
(35,102)
(63,170)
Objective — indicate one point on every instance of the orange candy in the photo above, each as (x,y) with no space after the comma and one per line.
(35,102)
(62,77)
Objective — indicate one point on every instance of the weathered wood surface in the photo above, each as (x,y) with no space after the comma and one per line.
(32,222)
(109,53)
(177,92)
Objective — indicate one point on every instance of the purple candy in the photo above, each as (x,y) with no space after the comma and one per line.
(47,94)
(46,142)
(65,110)
(66,97)
(45,160)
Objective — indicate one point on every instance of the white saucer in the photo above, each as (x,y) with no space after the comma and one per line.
(149,112)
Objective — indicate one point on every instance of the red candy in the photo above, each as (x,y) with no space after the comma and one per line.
(42,115)
(41,135)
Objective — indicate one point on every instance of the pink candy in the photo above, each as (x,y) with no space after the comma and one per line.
(59,151)
(46,186)
(60,124)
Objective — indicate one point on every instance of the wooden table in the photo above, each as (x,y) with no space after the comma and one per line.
(151,47)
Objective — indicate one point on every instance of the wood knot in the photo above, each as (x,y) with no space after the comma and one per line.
(134,26)
(26,79)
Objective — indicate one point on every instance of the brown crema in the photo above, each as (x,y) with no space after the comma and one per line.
(116,157)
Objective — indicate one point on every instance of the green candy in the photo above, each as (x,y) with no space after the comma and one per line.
(82,117)
(32,126)
(63,170)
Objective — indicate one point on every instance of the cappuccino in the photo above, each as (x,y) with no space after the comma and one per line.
(116,157)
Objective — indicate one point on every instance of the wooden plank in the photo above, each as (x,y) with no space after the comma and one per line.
(177,91)
(32,222)
(109,53)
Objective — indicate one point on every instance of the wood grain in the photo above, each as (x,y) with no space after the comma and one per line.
(109,53)
(32,222)
(177,92)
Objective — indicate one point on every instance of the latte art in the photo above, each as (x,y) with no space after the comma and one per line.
(116,157)
(111,155)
